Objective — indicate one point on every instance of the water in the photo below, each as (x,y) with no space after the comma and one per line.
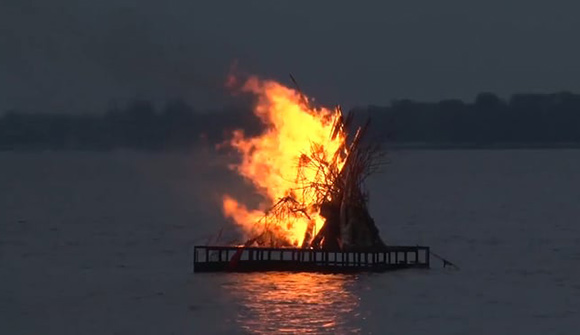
(101,244)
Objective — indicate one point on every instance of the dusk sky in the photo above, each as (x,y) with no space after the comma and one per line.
(78,56)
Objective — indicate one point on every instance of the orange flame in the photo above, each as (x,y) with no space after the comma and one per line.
(270,161)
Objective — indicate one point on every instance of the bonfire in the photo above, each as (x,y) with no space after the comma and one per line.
(309,166)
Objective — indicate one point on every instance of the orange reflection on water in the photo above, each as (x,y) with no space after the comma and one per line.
(295,303)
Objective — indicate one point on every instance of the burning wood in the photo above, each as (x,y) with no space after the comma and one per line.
(310,169)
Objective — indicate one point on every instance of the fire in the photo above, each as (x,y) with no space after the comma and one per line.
(271,160)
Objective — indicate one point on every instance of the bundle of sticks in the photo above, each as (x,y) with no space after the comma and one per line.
(336,192)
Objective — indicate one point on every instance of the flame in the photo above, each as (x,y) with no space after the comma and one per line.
(270,161)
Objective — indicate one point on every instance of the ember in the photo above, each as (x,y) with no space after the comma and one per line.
(310,172)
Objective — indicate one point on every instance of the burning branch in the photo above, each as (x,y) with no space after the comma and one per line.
(323,205)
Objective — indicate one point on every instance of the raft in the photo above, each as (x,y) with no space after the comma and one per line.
(258,259)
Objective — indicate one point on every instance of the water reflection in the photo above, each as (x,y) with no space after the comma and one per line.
(295,303)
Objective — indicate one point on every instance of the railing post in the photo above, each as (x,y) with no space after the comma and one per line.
(194,257)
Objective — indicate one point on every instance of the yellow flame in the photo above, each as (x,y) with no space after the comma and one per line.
(270,160)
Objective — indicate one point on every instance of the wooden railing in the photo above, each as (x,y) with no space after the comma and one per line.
(243,259)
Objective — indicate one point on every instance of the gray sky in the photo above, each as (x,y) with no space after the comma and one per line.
(77,56)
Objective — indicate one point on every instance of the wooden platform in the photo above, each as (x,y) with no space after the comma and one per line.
(241,259)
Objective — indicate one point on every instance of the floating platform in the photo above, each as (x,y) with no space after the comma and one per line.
(252,259)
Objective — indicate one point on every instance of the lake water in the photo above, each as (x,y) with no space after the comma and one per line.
(101,243)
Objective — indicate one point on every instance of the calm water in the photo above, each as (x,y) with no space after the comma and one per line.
(101,244)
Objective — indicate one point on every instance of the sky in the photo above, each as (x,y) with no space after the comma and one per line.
(82,56)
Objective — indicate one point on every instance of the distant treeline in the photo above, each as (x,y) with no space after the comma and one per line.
(138,126)
(528,120)
(524,120)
